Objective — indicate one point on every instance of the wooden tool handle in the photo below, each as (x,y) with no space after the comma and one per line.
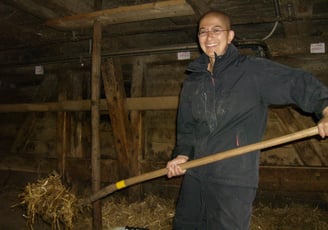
(203,161)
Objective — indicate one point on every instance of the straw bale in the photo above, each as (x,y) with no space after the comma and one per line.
(51,201)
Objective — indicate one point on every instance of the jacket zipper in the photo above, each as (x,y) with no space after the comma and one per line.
(237,140)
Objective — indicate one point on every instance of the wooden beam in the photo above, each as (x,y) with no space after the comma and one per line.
(76,167)
(136,103)
(305,149)
(46,89)
(149,11)
(33,8)
(72,6)
(77,118)
(63,128)
(305,179)
(136,122)
(95,121)
(200,7)
(115,97)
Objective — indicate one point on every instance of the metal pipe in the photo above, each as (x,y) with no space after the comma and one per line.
(278,15)
(277,8)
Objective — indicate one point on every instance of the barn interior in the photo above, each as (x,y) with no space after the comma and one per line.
(90,89)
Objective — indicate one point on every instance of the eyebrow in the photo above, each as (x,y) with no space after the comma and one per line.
(217,26)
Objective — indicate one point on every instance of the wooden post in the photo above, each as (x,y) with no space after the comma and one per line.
(63,142)
(95,119)
(136,124)
(115,97)
(63,129)
(77,118)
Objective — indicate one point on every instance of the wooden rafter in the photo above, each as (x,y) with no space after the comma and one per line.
(33,8)
(134,103)
(155,10)
(200,7)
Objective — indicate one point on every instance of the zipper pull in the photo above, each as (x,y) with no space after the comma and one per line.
(237,141)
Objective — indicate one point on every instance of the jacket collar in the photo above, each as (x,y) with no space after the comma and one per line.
(200,64)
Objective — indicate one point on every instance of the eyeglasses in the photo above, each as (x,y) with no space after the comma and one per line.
(215,32)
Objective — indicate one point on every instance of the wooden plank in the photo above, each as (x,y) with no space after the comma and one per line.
(33,8)
(115,97)
(149,11)
(63,142)
(137,103)
(76,167)
(95,121)
(72,6)
(137,145)
(298,179)
(46,89)
(152,103)
(305,148)
(200,7)
(77,118)
(63,129)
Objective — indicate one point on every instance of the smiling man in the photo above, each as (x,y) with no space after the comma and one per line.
(223,105)
(214,34)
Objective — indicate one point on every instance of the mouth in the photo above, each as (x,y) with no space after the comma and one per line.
(211,45)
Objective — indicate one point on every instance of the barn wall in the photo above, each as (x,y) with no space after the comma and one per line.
(32,137)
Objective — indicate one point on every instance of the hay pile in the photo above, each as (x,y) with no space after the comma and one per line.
(156,213)
(152,213)
(293,216)
(51,201)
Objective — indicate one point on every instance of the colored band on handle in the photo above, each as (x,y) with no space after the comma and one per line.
(120,184)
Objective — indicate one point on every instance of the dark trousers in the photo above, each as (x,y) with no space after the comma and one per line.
(210,206)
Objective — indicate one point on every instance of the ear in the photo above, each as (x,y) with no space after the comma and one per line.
(231,35)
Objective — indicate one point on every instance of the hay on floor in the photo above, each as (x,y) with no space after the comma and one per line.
(54,204)
(51,201)
(151,213)
(155,213)
(289,217)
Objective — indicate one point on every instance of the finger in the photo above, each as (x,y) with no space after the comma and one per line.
(321,130)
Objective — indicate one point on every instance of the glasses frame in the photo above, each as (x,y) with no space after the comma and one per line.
(215,31)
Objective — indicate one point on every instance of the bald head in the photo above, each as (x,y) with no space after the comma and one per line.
(218,14)
(214,33)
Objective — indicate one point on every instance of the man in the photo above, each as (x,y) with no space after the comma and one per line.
(223,105)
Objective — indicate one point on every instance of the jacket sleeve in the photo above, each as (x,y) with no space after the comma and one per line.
(280,85)
(185,128)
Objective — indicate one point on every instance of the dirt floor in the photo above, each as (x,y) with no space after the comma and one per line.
(155,213)
(11,215)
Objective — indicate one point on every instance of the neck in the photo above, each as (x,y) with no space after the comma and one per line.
(210,65)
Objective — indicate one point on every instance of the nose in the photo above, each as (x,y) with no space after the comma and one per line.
(210,34)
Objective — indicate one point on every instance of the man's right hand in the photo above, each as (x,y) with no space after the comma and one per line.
(173,168)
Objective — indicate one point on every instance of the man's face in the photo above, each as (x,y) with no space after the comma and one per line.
(214,35)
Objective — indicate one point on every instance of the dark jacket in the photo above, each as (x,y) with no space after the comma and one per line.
(229,109)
